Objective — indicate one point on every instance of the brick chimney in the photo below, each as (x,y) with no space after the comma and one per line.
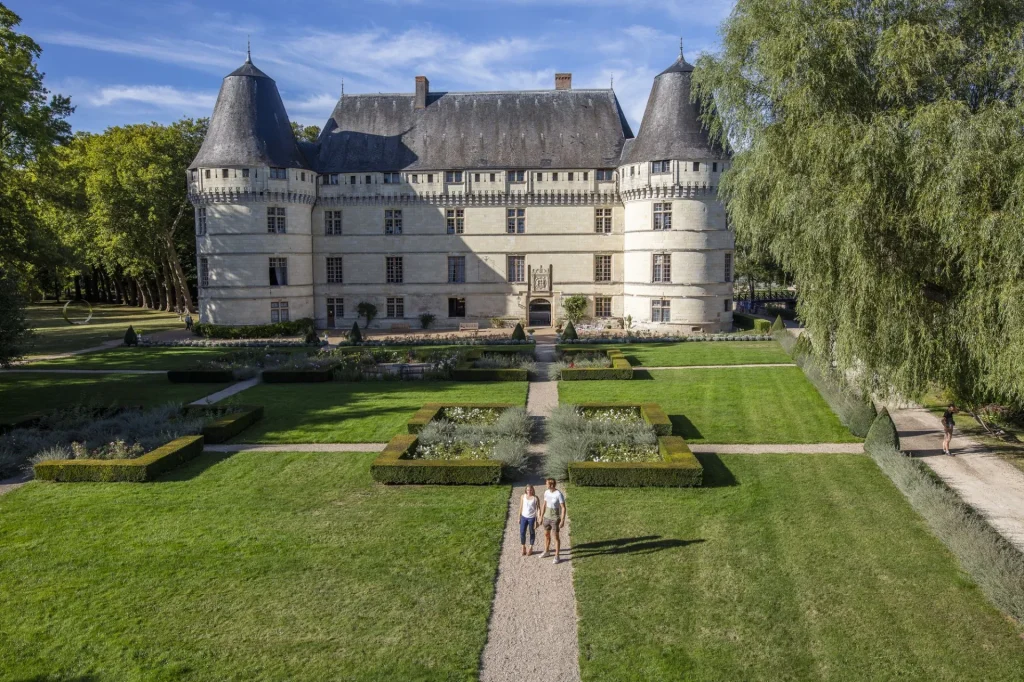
(422,90)
(563,81)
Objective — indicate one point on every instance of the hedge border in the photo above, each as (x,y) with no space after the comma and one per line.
(298,376)
(230,425)
(651,413)
(464,370)
(138,470)
(428,412)
(393,467)
(678,468)
(621,369)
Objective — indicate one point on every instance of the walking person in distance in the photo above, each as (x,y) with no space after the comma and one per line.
(947,427)
(552,511)
(528,505)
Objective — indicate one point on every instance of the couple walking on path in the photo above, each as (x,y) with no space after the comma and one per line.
(550,511)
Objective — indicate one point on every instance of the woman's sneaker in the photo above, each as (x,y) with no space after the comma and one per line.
(555,560)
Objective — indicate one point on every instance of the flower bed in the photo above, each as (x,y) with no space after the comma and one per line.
(381,363)
(236,366)
(580,364)
(520,365)
(456,444)
(658,338)
(618,445)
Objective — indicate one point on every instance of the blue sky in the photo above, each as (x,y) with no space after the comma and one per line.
(150,60)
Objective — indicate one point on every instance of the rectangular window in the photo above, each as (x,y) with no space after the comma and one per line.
(334,270)
(602,306)
(455,220)
(302,176)
(456,269)
(415,178)
(224,172)
(714,166)
(245,172)
(332,222)
(515,269)
(192,174)
(278,272)
(632,171)
(275,219)
(204,272)
(335,310)
(369,180)
(207,173)
(392,178)
(515,221)
(351,179)
(602,268)
(660,310)
(603,220)
(279,311)
(663,215)
(606,175)
(662,268)
(728,304)
(453,176)
(585,176)
(395,307)
(430,177)
(393,221)
(660,166)
(393,269)
(476,177)
(518,176)
(332,179)
(728,267)
(456,307)
(554,176)
(200,221)
(696,165)
(278,173)
(493,175)
(570,176)
(540,177)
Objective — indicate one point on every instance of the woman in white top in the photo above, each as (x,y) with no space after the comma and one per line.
(528,518)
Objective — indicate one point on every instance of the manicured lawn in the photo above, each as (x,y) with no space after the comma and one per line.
(361,412)
(808,567)
(134,358)
(741,405)
(254,567)
(21,394)
(701,353)
(108,322)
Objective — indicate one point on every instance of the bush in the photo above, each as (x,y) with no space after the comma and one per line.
(354,335)
(311,337)
(569,333)
(253,331)
(762,326)
(497,322)
(393,466)
(367,310)
(679,468)
(427,319)
(620,368)
(778,325)
(144,468)
(575,308)
(992,562)
(518,334)
(465,371)
(883,433)
(130,337)
(232,424)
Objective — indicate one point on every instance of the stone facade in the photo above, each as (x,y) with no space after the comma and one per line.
(644,238)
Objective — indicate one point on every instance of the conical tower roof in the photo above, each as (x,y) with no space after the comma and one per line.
(249,126)
(671,128)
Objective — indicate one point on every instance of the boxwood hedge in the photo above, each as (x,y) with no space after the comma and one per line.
(464,371)
(144,468)
(230,425)
(678,468)
(393,466)
(620,369)
(428,412)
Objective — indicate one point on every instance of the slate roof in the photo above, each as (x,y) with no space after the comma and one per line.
(671,127)
(487,130)
(249,126)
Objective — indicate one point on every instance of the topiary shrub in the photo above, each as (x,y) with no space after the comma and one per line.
(355,336)
(762,326)
(130,337)
(426,319)
(311,337)
(883,433)
(518,334)
(569,334)
(778,325)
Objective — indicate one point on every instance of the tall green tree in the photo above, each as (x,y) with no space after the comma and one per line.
(881,162)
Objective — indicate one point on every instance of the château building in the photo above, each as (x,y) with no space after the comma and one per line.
(465,205)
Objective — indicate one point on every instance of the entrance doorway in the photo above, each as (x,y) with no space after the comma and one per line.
(335,311)
(540,313)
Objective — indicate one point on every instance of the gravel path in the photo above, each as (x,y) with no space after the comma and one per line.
(227,392)
(992,486)
(772,449)
(532,631)
(9,484)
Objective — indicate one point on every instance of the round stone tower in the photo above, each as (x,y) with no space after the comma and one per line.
(677,247)
(253,193)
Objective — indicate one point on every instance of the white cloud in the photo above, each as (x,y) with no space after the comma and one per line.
(155,96)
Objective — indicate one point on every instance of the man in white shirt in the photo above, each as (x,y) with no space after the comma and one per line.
(552,512)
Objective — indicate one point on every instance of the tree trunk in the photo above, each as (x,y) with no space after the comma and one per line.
(173,300)
(143,294)
(161,289)
(178,274)
(154,293)
(108,292)
(78,287)
(119,297)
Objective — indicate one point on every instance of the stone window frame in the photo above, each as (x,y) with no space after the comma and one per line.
(603,219)
(456,269)
(605,175)
(515,268)
(277,220)
(602,306)
(728,267)
(335,273)
(661,272)
(696,166)
(453,176)
(728,305)
(394,307)
(206,173)
(661,167)
(245,173)
(330,179)
(369,180)
(224,173)
(455,220)
(517,175)
(661,310)
(332,222)
(278,311)
(661,215)
(278,173)
(494,177)
(515,220)
(392,178)
(277,275)
(571,175)
(204,272)
(201,221)
(394,270)
(454,305)
(393,221)
(602,267)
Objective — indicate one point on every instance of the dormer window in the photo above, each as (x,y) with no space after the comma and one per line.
(278,173)
(392,178)
(660,167)
(453,176)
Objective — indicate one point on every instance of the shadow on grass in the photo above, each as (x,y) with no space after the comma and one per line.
(641,374)
(60,678)
(716,474)
(647,544)
(195,468)
(682,426)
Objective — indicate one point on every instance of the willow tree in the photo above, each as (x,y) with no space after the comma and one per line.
(881,162)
